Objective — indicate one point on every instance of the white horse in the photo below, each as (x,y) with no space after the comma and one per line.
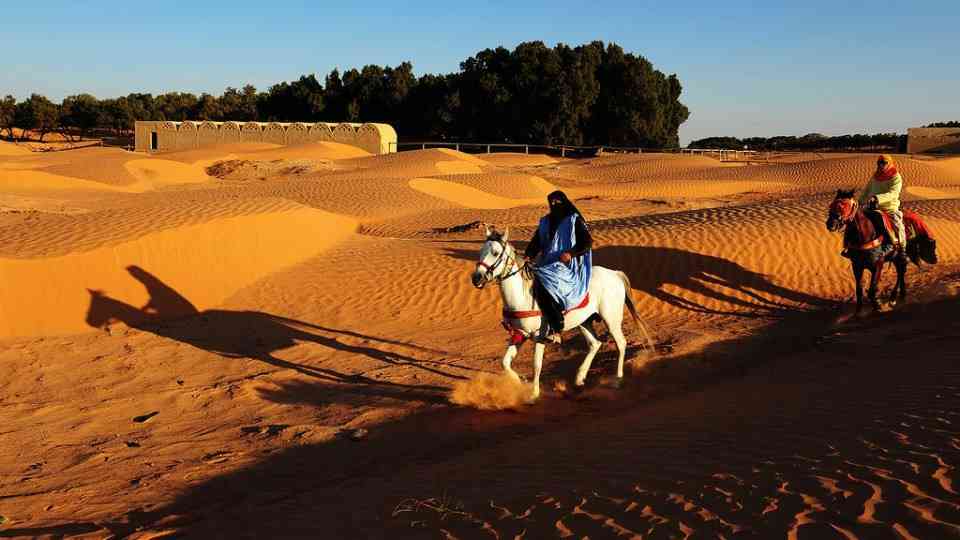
(608,293)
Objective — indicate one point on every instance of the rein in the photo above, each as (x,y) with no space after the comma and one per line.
(510,262)
(851,221)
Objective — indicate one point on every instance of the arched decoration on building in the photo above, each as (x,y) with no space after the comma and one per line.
(187,135)
(275,133)
(377,138)
(208,134)
(166,136)
(298,133)
(230,132)
(251,132)
(321,131)
(345,133)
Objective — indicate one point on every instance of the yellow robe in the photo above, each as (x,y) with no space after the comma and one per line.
(887,192)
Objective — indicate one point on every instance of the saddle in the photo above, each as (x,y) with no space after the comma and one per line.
(883,223)
(915,226)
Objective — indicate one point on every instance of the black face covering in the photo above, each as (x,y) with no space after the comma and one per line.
(560,208)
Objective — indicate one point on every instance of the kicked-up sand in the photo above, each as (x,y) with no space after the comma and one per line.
(262,341)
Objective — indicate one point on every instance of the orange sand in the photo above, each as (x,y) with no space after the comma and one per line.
(303,329)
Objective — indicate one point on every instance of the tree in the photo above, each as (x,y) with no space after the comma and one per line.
(82,112)
(8,110)
(594,93)
(952,124)
(38,114)
(208,108)
(239,105)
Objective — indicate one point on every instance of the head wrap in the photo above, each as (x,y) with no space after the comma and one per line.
(889,171)
(560,211)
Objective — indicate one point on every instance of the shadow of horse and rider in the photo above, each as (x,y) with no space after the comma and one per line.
(652,269)
(749,294)
(257,335)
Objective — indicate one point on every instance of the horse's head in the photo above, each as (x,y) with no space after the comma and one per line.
(496,257)
(99,314)
(842,210)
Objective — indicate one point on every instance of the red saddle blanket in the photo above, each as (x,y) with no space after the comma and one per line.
(914,225)
(507,314)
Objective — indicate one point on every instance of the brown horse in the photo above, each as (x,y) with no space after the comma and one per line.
(864,246)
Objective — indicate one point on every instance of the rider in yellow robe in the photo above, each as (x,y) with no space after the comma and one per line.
(883,192)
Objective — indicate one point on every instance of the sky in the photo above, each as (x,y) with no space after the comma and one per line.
(759,68)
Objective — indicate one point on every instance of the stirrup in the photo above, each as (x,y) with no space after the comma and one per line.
(551,338)
(548,337)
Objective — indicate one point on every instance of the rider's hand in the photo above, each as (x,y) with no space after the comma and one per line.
(873,203)
(565,257)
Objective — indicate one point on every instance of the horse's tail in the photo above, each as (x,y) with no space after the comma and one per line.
(922,246)
(628,300)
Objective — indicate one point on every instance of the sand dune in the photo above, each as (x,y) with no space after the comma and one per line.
(10,149)
(51,296)
(317,151)
(302,331)
(513,159)
(413,164)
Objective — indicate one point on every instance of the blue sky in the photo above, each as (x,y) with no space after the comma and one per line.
(748,68)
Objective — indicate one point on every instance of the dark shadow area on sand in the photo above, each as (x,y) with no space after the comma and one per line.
(258,335)
(714,278)
(802,389)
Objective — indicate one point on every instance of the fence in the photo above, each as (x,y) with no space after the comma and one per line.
(484,147)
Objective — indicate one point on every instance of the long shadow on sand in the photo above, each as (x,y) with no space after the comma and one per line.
(650,269)
(606,443)
(258,335)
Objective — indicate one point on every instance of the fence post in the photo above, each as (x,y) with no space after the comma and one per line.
(424,146)
(526,149)
(488,148)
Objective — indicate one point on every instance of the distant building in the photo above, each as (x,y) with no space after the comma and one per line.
(933,141)
(154,137)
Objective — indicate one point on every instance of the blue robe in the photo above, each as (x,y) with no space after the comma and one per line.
(567,283)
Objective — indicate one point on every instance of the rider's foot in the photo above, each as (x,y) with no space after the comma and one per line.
(546,335)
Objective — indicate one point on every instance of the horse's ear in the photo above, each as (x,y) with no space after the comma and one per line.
(506,234)
(487,231)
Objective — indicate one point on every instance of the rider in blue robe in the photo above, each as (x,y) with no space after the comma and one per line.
(563,270)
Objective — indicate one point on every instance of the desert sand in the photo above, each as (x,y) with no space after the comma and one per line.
(262,341)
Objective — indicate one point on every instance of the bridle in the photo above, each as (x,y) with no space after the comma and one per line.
(510,262)
(839,208)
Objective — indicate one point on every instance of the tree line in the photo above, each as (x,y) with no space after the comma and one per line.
(952,124)
(810,142)
(592,94)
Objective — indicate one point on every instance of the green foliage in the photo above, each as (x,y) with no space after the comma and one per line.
(952,124)
(809,142)
(8,110)
(594,94)
(38,114)
(82,112)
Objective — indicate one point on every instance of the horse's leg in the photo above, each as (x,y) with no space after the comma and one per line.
(593,345)
(538,349)
(508,357)
(616,332)
(901,264)
(858,277)
(874,282)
